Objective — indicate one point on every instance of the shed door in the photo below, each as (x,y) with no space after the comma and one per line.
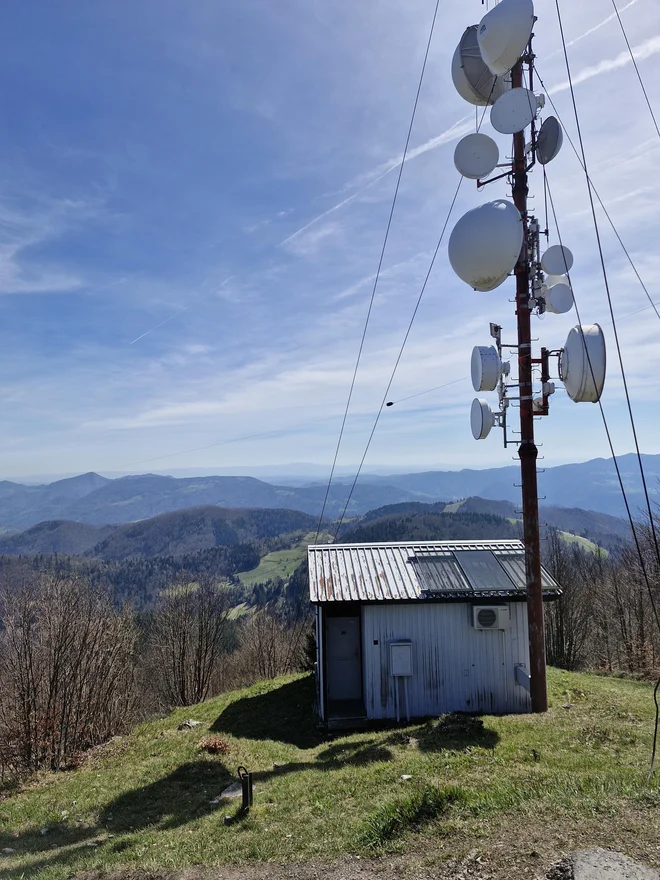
(344,667)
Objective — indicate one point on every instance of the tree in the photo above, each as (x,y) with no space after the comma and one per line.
(570,619)
(189,637)
(67,661)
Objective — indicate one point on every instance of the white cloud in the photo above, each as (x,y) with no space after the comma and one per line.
(40,221)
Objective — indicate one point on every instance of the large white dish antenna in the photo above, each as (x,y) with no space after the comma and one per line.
(582,363)
(481,419)
(472,79)
(557,260)
(485,244)
(549,140)
(559,299)
(514,111)
(475,156)
(504,33)
(486,368)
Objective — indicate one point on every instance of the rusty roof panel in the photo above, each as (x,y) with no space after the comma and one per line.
(388,572)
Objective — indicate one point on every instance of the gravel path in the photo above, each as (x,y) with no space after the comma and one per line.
(594,864)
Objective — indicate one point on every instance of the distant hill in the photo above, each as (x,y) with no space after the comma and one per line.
(95,500)
(198,528)
(22,506)
(432,527)
(475,518)
(589,485)
(55,536)
(607,531)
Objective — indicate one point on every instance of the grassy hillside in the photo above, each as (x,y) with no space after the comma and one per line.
(278,564)
(582,543)
(517,790)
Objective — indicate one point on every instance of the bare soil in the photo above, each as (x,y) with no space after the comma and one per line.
(532,850)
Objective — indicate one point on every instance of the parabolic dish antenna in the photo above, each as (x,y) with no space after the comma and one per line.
(557,260)
(486,368)
(475,156)
(559,299)
(481,419)
(485,244)
(504,33)
(472,79)
(514,111)
(582,363)
(549,140)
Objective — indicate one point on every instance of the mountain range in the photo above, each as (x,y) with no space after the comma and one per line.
(96,500)
(198,529)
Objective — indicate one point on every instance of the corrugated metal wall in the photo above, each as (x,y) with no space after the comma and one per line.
(456,668)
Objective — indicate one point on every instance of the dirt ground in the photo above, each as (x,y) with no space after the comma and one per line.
(528,851)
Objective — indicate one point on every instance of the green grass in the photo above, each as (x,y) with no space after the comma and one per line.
(454,507)
(146,799)
(279,563)
(582,543)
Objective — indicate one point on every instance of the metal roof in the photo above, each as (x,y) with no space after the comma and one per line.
(387,572)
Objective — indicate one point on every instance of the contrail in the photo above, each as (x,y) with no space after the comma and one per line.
(162,324)
(180,312)
(641,52)
(454,131)
(592,30)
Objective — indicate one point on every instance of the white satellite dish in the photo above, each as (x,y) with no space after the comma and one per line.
(549,140)
(504,33)
(559,299)
(481,419)
(472,79)
(486,368)
(551,280)
(475,156)
(557,260)
(485,244)
(514,111)
(582,363)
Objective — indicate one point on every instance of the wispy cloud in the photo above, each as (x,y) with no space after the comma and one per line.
(23,229)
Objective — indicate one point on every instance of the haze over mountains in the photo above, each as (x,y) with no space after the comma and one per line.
(97,500)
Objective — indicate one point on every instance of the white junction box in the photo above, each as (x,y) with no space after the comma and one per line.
(401,664)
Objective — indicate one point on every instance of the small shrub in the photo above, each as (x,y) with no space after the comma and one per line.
(408,814)
(214,745)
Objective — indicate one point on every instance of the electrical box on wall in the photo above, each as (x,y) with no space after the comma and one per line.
(401,658)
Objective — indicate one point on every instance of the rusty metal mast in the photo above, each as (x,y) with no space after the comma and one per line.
(528,451)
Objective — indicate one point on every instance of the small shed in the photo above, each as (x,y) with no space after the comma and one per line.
(407,630)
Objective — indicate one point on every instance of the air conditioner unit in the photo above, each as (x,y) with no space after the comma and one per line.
(490,616)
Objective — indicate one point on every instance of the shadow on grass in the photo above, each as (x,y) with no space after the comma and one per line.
(454,732)
(176,799)
(285,714)
(353,754)
(180,797)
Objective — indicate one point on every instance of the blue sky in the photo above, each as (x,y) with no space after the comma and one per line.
(193,198)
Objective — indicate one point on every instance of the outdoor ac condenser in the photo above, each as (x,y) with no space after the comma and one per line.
(490,616)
